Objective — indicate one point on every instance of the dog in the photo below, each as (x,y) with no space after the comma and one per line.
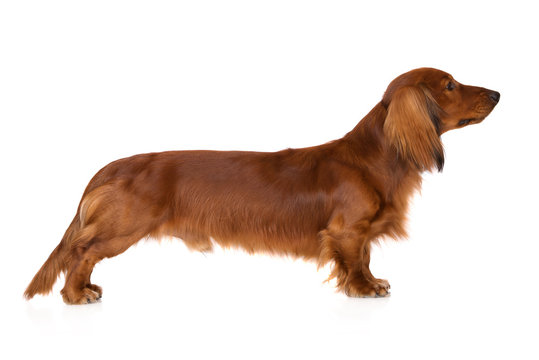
(325,203)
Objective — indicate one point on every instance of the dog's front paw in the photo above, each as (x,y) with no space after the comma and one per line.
(97,289)
(383,283)
(364,288)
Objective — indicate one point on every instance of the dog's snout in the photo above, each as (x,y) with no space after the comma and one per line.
(494,96)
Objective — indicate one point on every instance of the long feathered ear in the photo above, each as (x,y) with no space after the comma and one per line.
(411,127)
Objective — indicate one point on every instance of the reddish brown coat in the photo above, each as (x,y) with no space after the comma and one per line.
(326,203)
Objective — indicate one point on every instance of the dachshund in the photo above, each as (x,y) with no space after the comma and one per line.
(326,203)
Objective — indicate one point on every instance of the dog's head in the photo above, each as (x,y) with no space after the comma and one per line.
(423,104)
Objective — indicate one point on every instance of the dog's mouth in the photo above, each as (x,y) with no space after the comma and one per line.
(481,111)
(469,121)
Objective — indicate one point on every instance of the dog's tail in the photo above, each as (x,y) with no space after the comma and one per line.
(45,278)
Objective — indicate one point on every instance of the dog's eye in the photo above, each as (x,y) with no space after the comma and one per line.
(450,85)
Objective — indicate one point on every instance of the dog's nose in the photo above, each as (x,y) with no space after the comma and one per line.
(494,96)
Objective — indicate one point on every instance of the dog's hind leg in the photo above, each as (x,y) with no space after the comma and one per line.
(111,221)
(78,289)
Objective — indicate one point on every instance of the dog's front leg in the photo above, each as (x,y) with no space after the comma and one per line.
(348,247)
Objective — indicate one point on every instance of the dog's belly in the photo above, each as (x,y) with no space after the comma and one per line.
(234,200)
(277,225)
(255,201)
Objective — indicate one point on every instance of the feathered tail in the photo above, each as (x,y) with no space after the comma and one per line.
(45,278)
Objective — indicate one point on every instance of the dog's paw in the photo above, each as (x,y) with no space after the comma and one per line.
(85,296)
(383,284)
(96,289)
(377,288)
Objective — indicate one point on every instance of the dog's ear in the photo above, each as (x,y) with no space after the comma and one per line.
(411,127)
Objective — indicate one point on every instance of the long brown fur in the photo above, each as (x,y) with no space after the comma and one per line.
(327,203)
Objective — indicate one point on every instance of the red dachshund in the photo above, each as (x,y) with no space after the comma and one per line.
(326,203)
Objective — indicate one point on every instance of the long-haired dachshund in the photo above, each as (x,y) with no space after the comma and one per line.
(326,203)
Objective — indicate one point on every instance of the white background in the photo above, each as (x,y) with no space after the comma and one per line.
(85,83)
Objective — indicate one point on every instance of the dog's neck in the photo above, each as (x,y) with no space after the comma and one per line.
(389,173)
